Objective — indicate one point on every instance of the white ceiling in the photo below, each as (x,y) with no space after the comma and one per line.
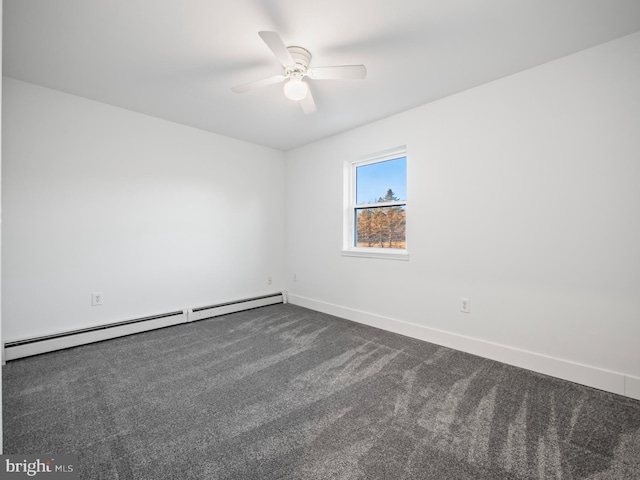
(178,59)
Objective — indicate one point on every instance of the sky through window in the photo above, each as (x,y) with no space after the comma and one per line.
(373,181)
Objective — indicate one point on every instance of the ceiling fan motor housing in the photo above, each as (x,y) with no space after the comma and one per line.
(301,57)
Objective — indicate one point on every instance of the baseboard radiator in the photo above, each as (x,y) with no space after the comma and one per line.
(236,306)
(59,341)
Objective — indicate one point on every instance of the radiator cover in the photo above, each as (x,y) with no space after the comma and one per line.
(59,341)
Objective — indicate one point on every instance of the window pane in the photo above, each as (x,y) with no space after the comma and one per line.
(380,227)
(382,181)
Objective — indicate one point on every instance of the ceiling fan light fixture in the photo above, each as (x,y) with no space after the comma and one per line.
(296,64)
(295,89)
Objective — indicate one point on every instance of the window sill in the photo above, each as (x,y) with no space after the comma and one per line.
(386,253)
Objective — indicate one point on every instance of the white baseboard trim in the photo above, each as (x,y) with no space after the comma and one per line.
(632,387)
(606,380)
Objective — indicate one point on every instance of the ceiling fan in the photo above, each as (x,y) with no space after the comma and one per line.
(296,63)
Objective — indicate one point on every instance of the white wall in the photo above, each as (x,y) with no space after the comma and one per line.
(157,216)
(524,196)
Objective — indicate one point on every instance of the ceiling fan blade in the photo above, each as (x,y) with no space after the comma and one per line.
(259,83)
(277,46)
(307,104)
(338,73)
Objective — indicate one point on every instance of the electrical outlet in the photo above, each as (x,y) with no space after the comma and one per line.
(465,306)
(295,277)
(97,299)
(269,280)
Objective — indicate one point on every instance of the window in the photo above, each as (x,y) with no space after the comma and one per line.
(376,206)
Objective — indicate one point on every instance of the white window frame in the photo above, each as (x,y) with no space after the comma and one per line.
(350,206)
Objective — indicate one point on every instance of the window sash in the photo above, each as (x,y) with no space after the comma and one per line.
(351,209)
(399,203)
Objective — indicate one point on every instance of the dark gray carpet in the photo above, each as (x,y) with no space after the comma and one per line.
(283,392)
